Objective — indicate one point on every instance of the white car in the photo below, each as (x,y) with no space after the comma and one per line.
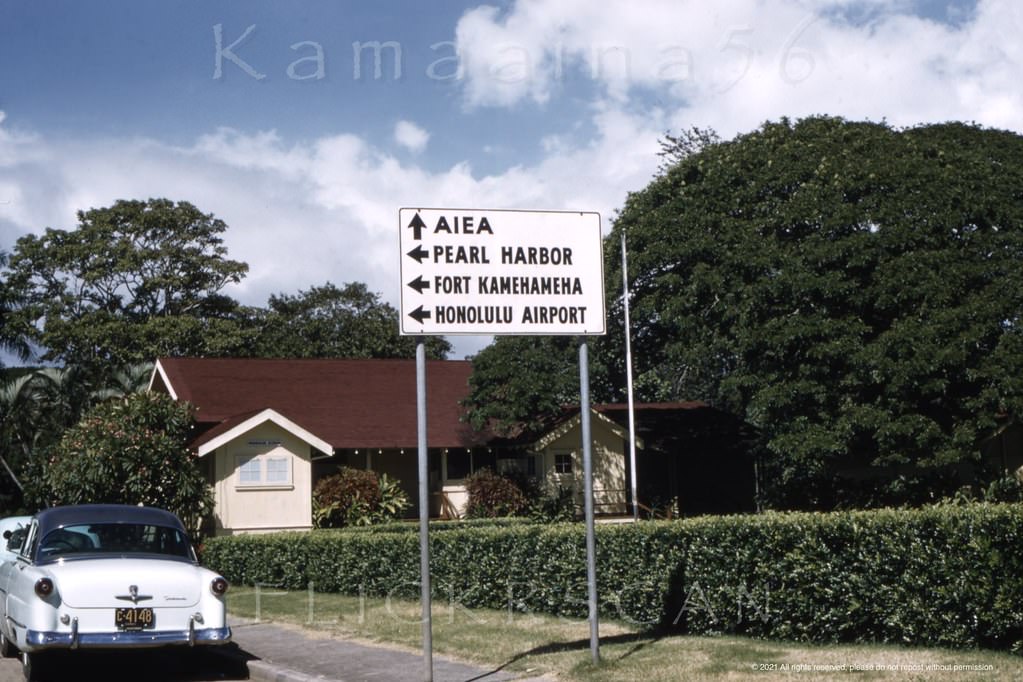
(12,532)
(107,576)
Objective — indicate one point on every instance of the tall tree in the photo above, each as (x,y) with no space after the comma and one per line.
(519,381)
(12,340)
(853,290)
(131,282)
(677,148)
(328,321)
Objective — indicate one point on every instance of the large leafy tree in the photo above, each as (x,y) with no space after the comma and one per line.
(329,321)
(131,282)
(519,381)
(131,450)
(853,290)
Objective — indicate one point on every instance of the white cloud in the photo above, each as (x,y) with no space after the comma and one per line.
(733,65)
(303,213)
(411,136)
(15,146)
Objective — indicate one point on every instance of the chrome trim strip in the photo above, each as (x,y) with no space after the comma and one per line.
(35,639)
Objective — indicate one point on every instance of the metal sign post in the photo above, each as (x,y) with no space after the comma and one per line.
(424,512)
(591,537)
(527,273)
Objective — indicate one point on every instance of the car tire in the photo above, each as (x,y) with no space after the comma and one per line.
(34,666)
(7,650)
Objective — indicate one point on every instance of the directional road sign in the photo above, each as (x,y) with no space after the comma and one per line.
(477,271)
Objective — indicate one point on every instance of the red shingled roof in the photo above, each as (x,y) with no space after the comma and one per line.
(348,403)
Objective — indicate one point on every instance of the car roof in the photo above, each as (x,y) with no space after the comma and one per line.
(58,517)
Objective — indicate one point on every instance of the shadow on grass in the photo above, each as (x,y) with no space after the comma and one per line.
(639,641)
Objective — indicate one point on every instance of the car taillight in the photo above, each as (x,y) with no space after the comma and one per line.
(44,588)
(218,586)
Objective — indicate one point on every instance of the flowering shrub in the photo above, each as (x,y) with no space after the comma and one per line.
(492,495)
(130,450)
(516,494)
(356,497)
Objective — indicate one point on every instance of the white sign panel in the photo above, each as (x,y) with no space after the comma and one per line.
(474,271)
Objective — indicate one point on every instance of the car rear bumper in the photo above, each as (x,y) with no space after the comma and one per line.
(36,640)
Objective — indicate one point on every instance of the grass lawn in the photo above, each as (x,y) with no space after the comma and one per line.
(539,644)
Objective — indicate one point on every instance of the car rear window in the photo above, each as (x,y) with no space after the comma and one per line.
(114,538)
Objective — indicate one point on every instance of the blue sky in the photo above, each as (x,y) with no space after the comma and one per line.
(552,104)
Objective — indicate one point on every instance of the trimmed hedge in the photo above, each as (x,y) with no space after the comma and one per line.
(942,576)
(409,526)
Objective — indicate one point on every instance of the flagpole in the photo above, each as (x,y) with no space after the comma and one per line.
(628,380)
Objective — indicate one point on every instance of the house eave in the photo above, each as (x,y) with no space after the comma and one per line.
(159,371)
(554,434)
(267,415)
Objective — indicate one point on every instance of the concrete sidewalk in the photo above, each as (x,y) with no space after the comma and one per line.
(284,653)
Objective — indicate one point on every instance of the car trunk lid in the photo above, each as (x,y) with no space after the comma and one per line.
(122,582)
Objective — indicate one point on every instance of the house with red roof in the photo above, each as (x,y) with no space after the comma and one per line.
(268,429)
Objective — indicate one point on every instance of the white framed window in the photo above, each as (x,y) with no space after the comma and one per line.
(250,470)
(277,470)
(563,463)
(267,470)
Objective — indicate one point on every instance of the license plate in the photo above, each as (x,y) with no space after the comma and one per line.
(134,618)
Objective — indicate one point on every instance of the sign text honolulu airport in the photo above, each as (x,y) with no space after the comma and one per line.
(472,271)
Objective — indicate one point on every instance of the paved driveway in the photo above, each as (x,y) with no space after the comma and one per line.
(164,665)
(262,651)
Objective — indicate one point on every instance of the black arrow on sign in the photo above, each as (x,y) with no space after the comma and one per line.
(417,226)
(419,284)
(419,314)
(419,253)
